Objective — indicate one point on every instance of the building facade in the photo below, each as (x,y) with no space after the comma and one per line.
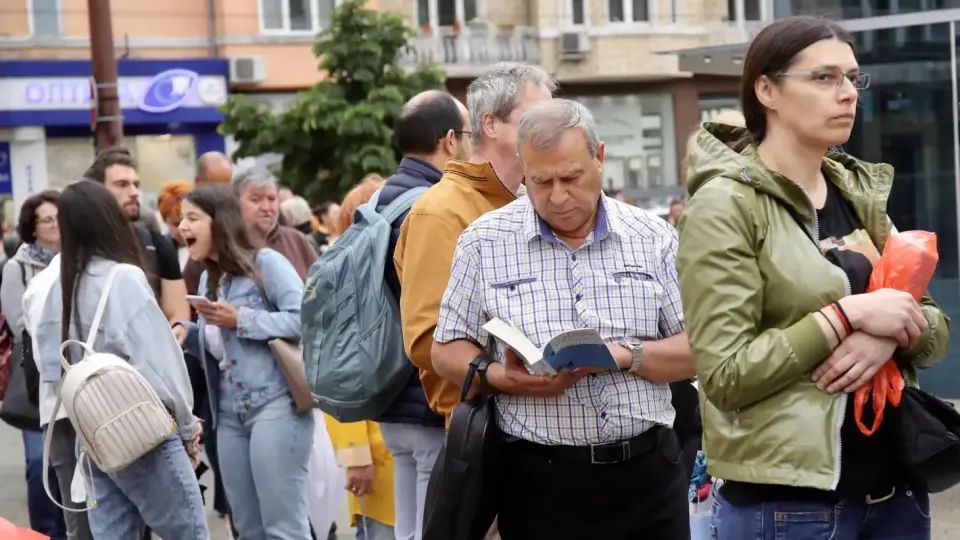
(908,117)
(607,53)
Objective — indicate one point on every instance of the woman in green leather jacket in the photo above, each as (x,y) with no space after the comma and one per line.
(776,248)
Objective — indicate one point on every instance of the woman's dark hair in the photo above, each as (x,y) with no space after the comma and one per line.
(771,53)
(92,224)
(236,251)
(27,223)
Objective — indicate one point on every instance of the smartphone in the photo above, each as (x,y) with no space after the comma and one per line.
(198,300)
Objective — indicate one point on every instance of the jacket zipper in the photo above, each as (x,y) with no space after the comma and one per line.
(842,411)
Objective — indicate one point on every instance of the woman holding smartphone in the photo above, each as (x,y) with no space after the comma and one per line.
(251,296)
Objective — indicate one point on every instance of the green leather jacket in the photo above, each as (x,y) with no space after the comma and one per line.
(751,278)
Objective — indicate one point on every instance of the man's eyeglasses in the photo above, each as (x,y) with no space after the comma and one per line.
(834,78)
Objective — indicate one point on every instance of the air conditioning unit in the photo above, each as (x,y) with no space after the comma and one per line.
(574,45)
(247,70)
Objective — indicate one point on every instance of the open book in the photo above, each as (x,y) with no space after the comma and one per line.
(573,349)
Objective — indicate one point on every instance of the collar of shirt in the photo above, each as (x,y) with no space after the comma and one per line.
(480,177)
(605,223)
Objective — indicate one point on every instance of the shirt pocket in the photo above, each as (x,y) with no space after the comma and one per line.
(516,299)
(244,292)
(628,301)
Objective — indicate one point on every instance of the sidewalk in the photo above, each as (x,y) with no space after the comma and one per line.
(946,506)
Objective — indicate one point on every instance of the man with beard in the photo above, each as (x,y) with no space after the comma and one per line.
(116,169)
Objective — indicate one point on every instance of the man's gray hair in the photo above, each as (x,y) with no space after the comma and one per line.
(498,90)
(544,124)
(256,177)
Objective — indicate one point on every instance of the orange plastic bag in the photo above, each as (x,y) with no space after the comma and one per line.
(9,531)
(908,263)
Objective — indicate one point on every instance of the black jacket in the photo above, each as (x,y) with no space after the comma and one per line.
(410,406)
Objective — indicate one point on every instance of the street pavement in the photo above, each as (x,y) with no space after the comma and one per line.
(13,506)
(13,495)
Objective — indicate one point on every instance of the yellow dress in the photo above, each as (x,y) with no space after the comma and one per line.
(358,444)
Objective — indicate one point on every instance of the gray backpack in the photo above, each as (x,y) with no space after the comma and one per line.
(353,352)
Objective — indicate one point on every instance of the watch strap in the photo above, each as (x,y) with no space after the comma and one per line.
(636,349)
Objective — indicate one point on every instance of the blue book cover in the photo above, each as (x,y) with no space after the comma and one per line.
(573,349)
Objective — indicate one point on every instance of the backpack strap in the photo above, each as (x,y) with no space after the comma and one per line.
(48,437)
(401,204)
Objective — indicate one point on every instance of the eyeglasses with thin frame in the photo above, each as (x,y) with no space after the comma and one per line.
(831,78)
(462,132)
(51,220)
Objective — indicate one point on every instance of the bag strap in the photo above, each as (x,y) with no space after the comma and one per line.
(88,349)
(102,305)
(478,366)
(401,204)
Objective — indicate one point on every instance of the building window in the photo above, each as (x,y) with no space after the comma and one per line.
(295,15)
(45,18)
(445,13)
(578,12)
(751,10)
(626,11)
(638,133)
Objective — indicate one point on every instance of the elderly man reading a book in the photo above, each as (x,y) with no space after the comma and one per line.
(573,298)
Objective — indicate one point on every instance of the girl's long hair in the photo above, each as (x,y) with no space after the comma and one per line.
(92,224)
(236,251)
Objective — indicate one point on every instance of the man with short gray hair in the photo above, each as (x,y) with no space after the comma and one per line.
(489,179)
(567,257)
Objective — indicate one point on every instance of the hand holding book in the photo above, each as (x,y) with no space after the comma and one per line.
(513,378)
(573,350)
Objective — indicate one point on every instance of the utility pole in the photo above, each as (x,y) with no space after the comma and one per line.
(107,116)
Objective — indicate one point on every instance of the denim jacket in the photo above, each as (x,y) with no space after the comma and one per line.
(251,368)
(133,327)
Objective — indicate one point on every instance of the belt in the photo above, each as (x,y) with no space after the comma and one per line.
(600,454)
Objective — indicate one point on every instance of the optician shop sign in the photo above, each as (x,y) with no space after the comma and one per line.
(165,92)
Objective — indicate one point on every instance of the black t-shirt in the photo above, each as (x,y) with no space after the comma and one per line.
(869,465)
(167,258)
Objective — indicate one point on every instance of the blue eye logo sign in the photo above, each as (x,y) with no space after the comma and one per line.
(168,91)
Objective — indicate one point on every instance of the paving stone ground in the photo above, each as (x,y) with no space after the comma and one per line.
(946,506)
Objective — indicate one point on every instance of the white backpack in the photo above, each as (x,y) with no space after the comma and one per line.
(116,413)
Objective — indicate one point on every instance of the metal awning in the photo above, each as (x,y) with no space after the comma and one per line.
(728,59)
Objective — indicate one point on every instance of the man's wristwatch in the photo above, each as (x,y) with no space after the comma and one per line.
(636,348)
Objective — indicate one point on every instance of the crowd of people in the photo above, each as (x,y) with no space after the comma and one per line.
(756,290)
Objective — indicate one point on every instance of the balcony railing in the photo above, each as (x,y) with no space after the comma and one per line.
(472,50)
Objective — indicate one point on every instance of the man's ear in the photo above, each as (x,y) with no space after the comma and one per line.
(446,143)
(489,126)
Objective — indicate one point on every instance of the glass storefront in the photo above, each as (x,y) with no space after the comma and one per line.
(160,158)
(906,119)
(638,133)
(856,9)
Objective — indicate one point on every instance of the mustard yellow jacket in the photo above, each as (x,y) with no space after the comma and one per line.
(358,444)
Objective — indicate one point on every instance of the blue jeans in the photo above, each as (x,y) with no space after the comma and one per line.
(414,449)
(158,490)
(263,458)
(904,516)
(45,517)
(374,530)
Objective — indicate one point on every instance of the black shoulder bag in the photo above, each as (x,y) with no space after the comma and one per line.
(461,501)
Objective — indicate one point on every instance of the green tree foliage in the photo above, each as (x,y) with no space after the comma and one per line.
(336,132)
